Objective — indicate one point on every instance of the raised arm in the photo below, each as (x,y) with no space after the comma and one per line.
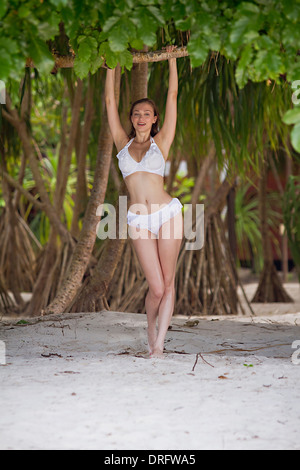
(118,133)
(166,135)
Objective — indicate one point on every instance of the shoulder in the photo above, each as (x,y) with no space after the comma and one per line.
(122,143)
(162,144)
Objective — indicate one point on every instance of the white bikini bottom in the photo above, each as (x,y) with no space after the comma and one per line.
(154,221)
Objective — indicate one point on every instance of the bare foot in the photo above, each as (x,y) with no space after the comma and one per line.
(152,334)
(157,353)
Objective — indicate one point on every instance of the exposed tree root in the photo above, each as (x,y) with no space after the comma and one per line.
(270,287)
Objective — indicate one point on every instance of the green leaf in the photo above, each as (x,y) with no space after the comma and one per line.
(238,31)
(156,14)
(59,3)
(292,116)
(293,73)
(273,63)
(120,34)
(291,34)
(295,137)
(39,52)
(3,7)
(214,41)
(198,50)
(81,68)
(175,10)
(137,44)
(23,11)
(84,51)
(118,39)
(110,23)
(96,63)
(291,10)
(48,29)
(125,59)
(111,58)
(244,25)
(246,7)
(241,74)
(9,45)
(146,25)
(267,64)
(87,46)
(184,24)
(5,65)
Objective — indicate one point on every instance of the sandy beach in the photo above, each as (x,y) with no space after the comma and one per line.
(85,381)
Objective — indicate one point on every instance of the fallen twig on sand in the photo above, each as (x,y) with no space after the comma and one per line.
(200,355)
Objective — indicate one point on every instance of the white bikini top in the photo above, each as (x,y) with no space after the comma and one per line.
(152,162)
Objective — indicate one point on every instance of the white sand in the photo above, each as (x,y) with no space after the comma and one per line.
(85,382)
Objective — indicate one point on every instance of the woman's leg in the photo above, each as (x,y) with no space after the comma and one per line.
(147,253)
(169,242)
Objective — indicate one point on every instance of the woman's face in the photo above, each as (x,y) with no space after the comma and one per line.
(143,117)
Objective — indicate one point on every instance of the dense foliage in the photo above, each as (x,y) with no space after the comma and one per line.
(263,35)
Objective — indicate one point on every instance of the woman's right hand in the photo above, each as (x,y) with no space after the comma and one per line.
(171,48)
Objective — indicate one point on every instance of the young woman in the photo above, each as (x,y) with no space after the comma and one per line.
(155,218)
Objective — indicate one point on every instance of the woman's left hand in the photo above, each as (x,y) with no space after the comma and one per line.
(170,48)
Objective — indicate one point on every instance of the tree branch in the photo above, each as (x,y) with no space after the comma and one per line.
(15,184)
(157,56)
(65,62)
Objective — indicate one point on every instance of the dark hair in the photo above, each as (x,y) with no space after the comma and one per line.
(155,126)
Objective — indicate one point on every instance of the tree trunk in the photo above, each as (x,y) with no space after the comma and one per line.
(81,256)
(231,222)
(20,125)
(65,158)
(208,277)
(285,243)
(199,182)
(45,279)
(139,80)
(93,293)
(270,288)
(81,188)
(11,250)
